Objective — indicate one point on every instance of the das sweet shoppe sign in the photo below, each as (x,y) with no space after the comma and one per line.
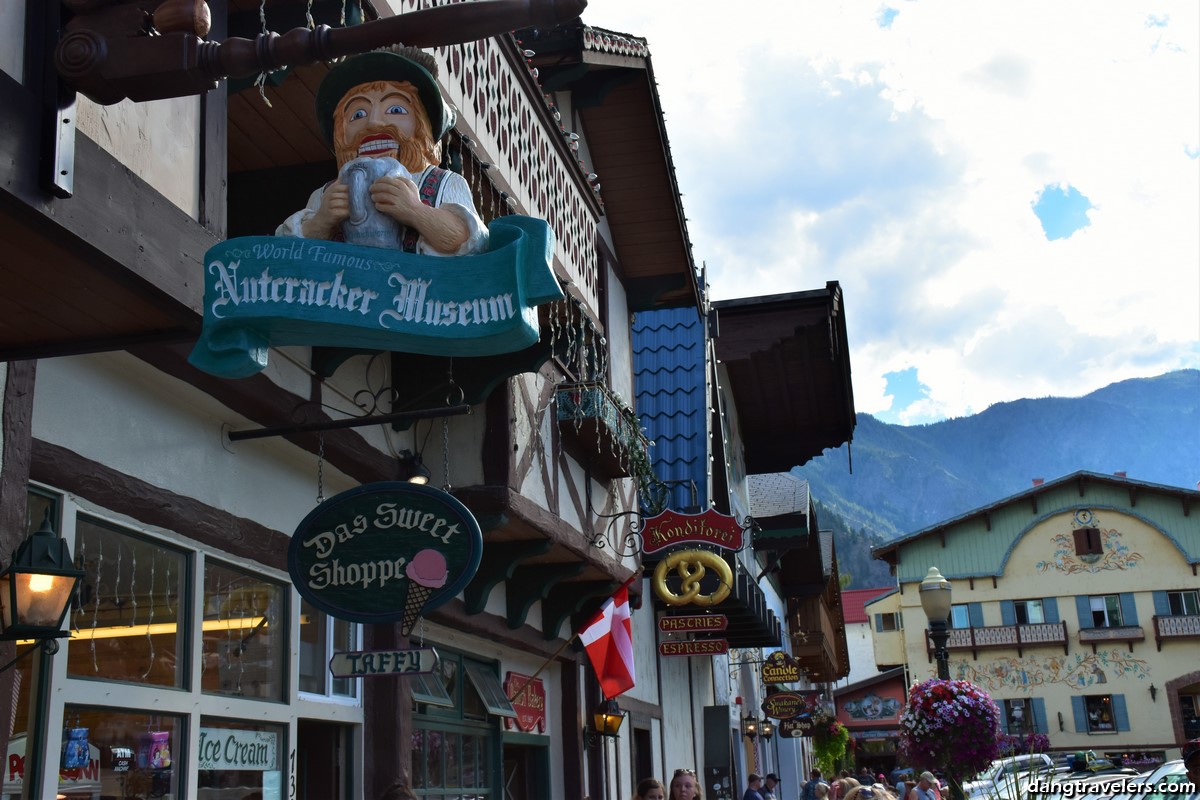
(385,552)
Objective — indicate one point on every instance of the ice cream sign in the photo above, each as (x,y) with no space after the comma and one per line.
(385,552)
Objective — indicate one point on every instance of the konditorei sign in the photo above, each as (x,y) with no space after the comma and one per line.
(266,291)
(385,552)
(710,527)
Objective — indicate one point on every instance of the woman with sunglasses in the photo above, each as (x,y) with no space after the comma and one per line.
(684,785)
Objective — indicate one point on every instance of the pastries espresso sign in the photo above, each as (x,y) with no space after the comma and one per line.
(385,552)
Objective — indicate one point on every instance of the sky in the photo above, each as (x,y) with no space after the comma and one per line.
(1007,192)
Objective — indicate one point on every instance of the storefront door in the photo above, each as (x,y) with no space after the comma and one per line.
(321,764)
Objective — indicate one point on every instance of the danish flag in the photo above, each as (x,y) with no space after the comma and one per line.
(608,639)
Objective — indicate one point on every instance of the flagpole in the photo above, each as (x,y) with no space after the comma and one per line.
(545,664)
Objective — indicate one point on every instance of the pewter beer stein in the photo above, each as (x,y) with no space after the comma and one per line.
(367,225)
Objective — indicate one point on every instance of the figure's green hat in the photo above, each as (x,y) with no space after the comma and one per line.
(401,64)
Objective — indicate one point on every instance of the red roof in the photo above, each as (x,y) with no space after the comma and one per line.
(853,601)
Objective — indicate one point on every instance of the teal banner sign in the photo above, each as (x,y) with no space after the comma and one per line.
(385,552)
(265,291)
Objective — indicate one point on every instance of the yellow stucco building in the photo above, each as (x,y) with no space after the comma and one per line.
(1076,605)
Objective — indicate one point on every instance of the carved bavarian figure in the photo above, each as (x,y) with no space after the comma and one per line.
(384,116)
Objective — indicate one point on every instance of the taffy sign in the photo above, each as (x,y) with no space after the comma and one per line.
(385,552)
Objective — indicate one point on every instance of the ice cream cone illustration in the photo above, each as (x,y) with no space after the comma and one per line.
(426,572)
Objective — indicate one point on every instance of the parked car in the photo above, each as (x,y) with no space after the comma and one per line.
(985,784)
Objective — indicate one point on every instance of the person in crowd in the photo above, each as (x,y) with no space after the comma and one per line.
(875,791)
(821,790)
(864,776)
(839,788)
(926,788)
(753,784)
(808,791)
(650,789)
(770,781)
(684,785)
(1191,761)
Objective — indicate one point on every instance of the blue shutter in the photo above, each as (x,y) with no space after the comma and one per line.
(1050,609)
(1003,706)
(1162,605)
(1083,605)
(1079,711)
(1039,715)
(1128,609)
(879,623)
(975,612)
(1008,612)
(1119,713)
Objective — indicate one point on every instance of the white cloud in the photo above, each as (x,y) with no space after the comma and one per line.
(903,162)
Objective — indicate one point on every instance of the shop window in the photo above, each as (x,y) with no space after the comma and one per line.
(245,634)
(1099,711)
(320,637)
(112,753)
(239,760)
(128,620)
(1184,604)
(1018,716)
(1029,612)
(887,622)
(1106,610)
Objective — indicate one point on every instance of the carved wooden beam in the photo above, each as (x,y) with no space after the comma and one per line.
(109,54)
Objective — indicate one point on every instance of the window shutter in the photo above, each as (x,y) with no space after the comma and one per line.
(1120,714)
(1008,613)
(1004,715)
(1079,711)
(879,623)
(1162,605)
(1050,609)
(1039,715)
(1128,609)
(975,612)
(1083,605)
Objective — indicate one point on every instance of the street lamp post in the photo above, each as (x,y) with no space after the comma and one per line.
(935,600)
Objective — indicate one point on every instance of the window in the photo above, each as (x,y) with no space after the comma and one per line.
(320,637)
(1099,711)
(1087,542)
(1029,612)
(888,622)
(245,634)
(127,609)
(114,753)
(1184,604)
(240,759)
(1019,717)
(960,616)
(1106,611)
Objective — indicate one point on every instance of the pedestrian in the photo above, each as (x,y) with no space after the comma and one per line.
(808,791)
(926,788)
(1191,761)
(875,791)
(650,789)
(753,784)
(684,785)
(770,781)
(821,790)
(841,787)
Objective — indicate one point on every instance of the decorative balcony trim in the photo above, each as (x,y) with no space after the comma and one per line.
(607,431)
(1175,627)
(1124,633)
(993,637)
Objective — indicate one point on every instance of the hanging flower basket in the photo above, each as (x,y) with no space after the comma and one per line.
(829,744)
(607,435)
(951,725)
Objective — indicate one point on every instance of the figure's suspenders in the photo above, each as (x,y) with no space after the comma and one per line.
(428,190)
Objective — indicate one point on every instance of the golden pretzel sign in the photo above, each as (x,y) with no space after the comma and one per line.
(691,566)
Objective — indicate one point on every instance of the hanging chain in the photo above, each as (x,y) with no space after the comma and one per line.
(450,400)
(320,467)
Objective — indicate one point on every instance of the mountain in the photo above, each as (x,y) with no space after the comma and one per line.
(905,479)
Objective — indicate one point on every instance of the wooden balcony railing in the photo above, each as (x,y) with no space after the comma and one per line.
(1123,633)
(1181,627)
(992,637)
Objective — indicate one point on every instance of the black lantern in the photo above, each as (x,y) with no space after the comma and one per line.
(749,727)
(412,468)
(606,722)
(37,586)
(766,729)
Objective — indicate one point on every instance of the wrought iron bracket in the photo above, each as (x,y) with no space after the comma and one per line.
(353,422)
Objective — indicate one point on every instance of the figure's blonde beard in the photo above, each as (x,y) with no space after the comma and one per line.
(409,152)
